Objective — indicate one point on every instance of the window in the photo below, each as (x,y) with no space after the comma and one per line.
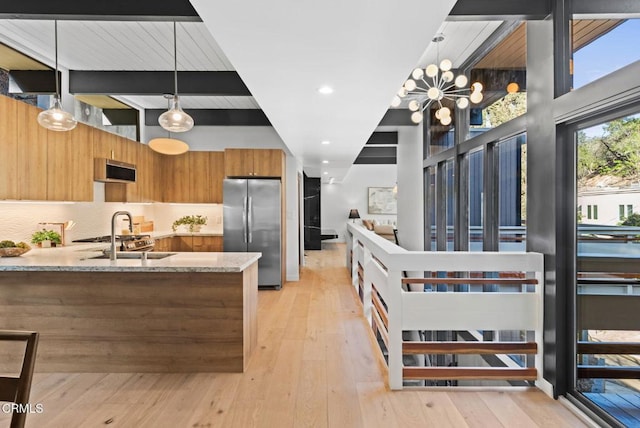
(620,212)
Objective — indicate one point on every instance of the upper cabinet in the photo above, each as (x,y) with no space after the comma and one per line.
(254,163)
(193,177)
(38,164)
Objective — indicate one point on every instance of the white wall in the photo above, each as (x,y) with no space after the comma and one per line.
(337,199)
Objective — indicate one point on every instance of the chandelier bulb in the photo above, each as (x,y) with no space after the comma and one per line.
(416,117)
(431,70)
(512,88)
(395,102)
(445,112)
(402,92)
(475,97)
(434,94)
(445,65)
(447,76)
(477,86)
(410,85)
(417,73)
(414,105)
(445,120)
(461,81)
(462,103)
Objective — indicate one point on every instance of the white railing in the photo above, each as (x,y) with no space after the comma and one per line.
(377,267)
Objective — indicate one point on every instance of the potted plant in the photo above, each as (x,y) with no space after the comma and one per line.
(13,249)
(193,222)
(46,238)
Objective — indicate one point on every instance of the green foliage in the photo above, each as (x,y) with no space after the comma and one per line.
(632,220)
(189,220)
(507,108)
(616,152)
(46,235)
(7,244)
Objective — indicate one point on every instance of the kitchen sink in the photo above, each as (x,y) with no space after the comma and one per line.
(134,255)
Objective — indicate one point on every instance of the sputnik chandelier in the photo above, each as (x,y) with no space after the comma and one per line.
(435,84)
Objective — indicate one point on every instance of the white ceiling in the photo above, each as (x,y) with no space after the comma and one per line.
(283,50)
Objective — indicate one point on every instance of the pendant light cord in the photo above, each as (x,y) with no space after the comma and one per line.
(55,38)
(175,60)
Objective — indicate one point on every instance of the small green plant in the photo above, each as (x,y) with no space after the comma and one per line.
(46,235)
(189,220)
(11,244)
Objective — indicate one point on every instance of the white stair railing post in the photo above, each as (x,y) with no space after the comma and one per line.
(366,286)
(394,303)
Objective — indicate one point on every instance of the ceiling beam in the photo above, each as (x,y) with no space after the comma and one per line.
(33,81)
(383,137)
(499,10)
(216,117)
(606,8)
(397,117)
(112,10)
(222,83)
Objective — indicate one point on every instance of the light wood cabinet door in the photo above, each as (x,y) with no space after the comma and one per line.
(176,178)
(207,244)
(9,175)
(200,185)
(163,244)
(32,154)
(105,145)
(70,164)
(216,168)
(238,162)
(253,163)
(182,244)
(268,163)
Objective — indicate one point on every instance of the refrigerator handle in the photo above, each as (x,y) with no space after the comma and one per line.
(250,219)
(244,219)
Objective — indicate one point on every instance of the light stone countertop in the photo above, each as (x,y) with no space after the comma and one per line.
(77,257)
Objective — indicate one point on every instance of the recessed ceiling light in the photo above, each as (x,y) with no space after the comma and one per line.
(325,173)
(325,90)
(325,161)
(325,142)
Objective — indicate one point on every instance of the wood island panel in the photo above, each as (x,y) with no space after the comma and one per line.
(133,322)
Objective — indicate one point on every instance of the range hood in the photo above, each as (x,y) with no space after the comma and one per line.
(112,171)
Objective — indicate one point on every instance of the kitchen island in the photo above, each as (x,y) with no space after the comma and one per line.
(188,312)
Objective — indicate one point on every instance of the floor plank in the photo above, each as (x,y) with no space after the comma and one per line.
(315,365)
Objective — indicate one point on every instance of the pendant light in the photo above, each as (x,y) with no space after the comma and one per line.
(168,145)
(175,119)
(56,119)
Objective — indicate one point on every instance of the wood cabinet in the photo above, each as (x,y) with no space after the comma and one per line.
(8,149)
(254,162)
(207,244)
(194,177)
(163,244)
(69,164)
(38,164)
(211,244)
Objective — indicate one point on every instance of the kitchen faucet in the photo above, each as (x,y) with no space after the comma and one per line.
(113,230)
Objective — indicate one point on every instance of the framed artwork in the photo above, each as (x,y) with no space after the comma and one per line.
(382,201)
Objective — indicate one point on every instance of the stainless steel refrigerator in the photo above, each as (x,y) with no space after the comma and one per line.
(252,223)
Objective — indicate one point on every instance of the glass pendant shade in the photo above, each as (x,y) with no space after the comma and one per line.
(175,119)
(168,146)
(56,119)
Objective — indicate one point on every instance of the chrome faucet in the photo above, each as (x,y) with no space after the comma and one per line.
(113,230)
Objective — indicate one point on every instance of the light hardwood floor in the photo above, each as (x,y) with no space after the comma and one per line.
(315,366)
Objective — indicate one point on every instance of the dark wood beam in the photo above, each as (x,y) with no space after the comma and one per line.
(216,117)
(397,117)
(383,138)
(223,83)
(120,10)
(492,10)
(122,116)
(599,7)
(33,82)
